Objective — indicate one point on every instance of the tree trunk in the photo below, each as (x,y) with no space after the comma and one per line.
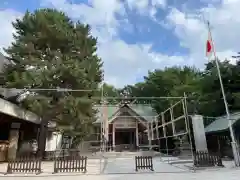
(42,137)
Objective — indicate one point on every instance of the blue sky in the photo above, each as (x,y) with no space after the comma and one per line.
(136,36)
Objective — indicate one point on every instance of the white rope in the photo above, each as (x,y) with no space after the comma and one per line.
(70,90)
(41,89)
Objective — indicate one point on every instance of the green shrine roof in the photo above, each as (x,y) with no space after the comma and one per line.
(144,111)
(221,123)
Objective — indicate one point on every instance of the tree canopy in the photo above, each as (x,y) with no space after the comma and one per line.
(201,87)
(50,51)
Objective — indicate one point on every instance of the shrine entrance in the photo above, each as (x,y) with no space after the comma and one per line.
(125,139)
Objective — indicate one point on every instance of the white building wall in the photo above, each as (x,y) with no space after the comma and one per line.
(53,141)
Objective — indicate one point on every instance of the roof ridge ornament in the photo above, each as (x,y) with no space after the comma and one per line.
(125,97)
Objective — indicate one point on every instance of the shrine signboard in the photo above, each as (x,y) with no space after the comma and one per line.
(125,123)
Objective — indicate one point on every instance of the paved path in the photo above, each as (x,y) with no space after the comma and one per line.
(163,171)
(206,175)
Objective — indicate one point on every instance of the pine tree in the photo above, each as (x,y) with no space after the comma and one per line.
(50,51)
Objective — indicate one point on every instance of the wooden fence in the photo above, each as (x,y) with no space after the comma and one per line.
(143,162)
(204,159)
(27,164)
(70,164)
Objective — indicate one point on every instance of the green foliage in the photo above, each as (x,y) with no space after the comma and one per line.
(201,87)
(49,52)
(111,92)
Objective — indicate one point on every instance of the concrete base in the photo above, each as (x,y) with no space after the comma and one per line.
(236,149)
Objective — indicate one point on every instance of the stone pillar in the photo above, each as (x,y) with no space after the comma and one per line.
(199,133)
(13,140)
(137,139)
(113,136)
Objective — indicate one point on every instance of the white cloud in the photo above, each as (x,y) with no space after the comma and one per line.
(99,14)
(123,62)
(146,7)
(140,5)
(159,3)
(191,30)
(6,18)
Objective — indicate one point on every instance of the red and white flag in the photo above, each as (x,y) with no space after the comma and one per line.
(209,46)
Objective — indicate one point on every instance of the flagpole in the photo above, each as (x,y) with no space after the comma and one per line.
(233,143)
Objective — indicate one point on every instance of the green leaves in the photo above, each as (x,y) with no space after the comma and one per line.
(202,88)
(51,52)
